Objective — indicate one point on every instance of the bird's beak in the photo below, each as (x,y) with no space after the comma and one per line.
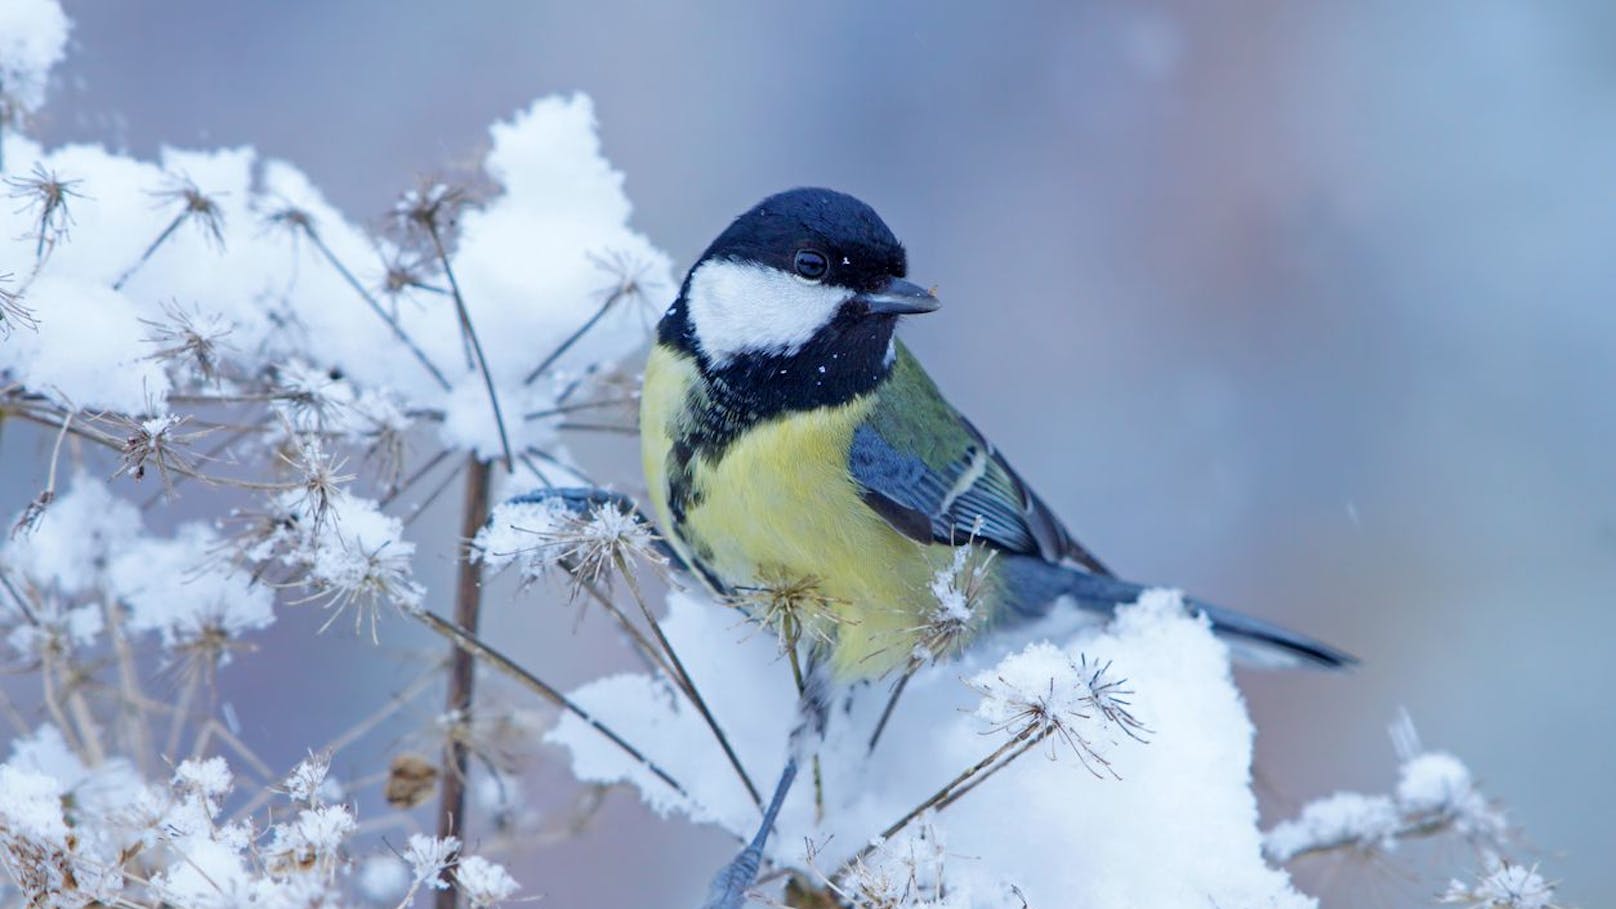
(898,298)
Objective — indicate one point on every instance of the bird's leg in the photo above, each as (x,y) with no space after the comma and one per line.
(728,890)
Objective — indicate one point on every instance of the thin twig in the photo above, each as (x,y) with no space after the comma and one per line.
(886,713)
(307,227)
(600,427)
(462,668)
(683,680)
(134,724)
(618,293)
(414,478)
(475,645)
(1020,743)
(419,508)
(648,651)
(116,444)
(574,408)
(161,239)
(471,335)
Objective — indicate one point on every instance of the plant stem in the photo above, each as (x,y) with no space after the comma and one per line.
(683,680)
(375,307)
(167,232)
(462,667)
(471,335)
(1018,745)
(475,645)
(572,339)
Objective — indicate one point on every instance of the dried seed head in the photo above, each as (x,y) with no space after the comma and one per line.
(794,610)
(291,218)
(405,269)
(46,196)
(959,590)
(591,546)
(428,215)
(156,440)
(1042,693)
(320,475)
(196,207)
(1503,885)
(189,339)
(14,313)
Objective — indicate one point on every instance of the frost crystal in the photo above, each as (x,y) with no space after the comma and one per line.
(209,778)
(304,783)
(483,882)
(429,856)
(1503,885)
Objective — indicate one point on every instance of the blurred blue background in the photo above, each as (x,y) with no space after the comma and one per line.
(1308,307)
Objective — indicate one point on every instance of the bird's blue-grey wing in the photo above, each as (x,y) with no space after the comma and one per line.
(926,470)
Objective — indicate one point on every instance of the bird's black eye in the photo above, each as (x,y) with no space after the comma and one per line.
(811,264)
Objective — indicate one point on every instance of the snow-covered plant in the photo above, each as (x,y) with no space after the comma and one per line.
(207,328)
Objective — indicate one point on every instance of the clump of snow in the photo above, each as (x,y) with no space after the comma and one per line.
(383,879)
(72,544)
(1176,826)
(516,532)
(33,37)
(181,589)
(1435,794)
(429,857)
(1348,819)
(534,263)
(484,883)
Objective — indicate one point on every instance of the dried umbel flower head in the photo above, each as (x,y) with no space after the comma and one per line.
(196,207)
(320,478)
(14,313)
(428,857)
(959,589)
(189,340)
(794,610)
(1042,693)
(291,218)
(431,212)
(158,441)
(589,539)
(45,195)
(484,883)
(404,270)
(308,778)
(1503,885)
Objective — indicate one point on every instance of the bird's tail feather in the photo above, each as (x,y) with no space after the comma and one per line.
(1252,640)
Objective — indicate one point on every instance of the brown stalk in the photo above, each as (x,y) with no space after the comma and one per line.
(462,667)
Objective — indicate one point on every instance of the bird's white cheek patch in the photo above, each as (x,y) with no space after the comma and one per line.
(738,307)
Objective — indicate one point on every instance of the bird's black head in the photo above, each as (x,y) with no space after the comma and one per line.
(822,235)
(796,301)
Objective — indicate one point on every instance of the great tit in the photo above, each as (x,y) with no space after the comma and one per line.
(792,443)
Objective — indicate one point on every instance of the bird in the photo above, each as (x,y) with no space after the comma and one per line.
(796,451)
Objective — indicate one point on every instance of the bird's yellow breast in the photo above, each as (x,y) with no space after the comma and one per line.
(777,507)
